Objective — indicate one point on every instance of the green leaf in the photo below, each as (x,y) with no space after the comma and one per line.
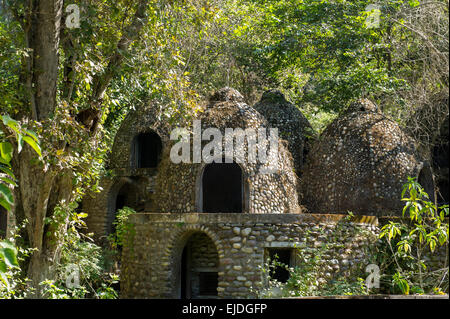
(9,254)
(432,245)
(5,192)
(13,124)
(6,150)
(3,161)
(414,3)
(33,144)
(32,134)
(8,180)
(5,204)
(7,171)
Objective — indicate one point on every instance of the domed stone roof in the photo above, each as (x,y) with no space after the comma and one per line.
(266,188)
(293,126)
(145,119)
(360,163)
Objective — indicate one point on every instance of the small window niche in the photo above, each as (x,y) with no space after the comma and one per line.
(146,150)
(284,256)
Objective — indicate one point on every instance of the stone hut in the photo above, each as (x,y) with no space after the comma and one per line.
(135,156)
(143,176)
(236,184)
(360,163)
(205,228)
(293,126)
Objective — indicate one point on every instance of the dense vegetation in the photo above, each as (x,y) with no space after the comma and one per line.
(401,257)
(68,89)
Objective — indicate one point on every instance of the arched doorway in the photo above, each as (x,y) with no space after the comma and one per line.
(146,151)
(199,268)
(125,193)
(222,188)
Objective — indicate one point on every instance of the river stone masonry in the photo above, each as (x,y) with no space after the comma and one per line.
(267,188)
(184,245)
(293,126)
(152,259)
(360,164)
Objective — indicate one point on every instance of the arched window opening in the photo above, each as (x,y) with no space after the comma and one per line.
(147,150)
(222,188)
(199,268)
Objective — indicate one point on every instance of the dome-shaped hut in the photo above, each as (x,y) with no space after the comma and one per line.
(360,164)
(133,166)
(234,181)
(293,126)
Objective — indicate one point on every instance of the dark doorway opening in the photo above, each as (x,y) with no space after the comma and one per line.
(208,282)
(199,268)
(222,188)
(184,274)
(127,195)
(147,150)
(283,257)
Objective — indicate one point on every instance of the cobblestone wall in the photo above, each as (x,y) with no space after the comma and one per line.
(151,263)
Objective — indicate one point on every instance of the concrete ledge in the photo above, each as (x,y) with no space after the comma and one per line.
(230,218)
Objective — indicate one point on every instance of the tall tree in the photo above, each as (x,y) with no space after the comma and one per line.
(63,128)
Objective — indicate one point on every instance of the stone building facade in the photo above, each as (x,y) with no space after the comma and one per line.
(180,187)
(360,164)
(132,171)
(205,230)
(231,249)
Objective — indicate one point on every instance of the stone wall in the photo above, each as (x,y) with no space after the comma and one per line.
(151,261)
(101,206)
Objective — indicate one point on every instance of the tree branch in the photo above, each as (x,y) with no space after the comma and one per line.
(90,117)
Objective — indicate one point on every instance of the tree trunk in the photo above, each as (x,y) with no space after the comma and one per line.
(43,36)
(43,185)
(35,180)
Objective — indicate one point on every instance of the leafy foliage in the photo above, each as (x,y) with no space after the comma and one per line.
(410,244)
(80,256)
(123,229)
(12,131)
(308,277)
